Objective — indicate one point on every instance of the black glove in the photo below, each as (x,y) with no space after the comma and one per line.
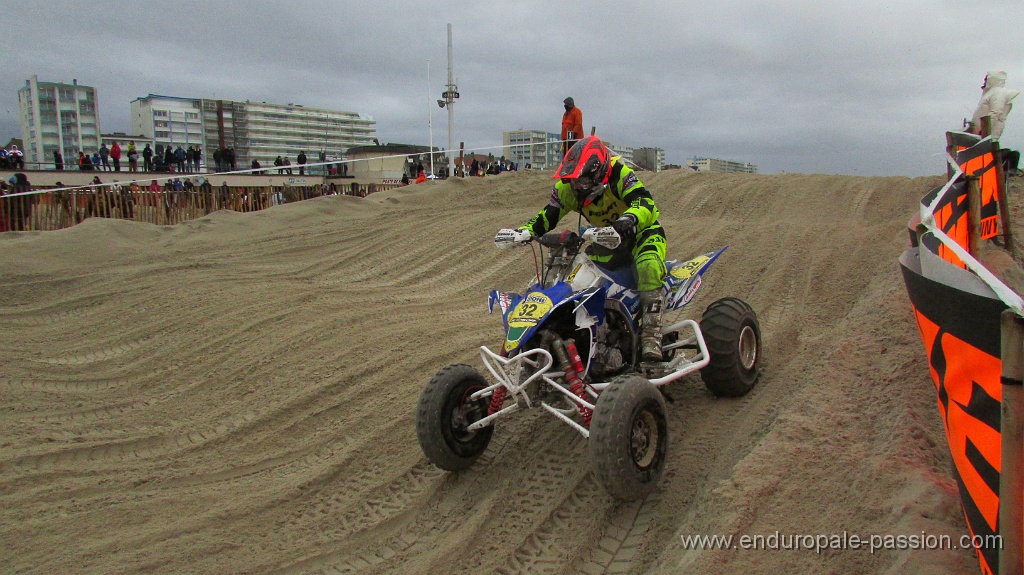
(626,225)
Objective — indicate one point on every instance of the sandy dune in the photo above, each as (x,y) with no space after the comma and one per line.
(235,394)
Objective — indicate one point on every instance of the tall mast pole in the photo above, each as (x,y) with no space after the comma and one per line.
(450,95)
(430,121)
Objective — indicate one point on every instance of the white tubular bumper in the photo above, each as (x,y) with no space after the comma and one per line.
(507,371)
(682,365)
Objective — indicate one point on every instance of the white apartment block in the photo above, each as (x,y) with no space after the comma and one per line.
(536,148)
(624,152)
(262,131)
(57,116)
(168,121)
(716,165)
(254,130)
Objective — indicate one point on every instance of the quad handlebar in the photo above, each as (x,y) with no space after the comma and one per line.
(605,237)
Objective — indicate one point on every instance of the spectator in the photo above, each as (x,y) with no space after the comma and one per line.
(255,166)
(230,157)
(179,159)
(20,207)
(98,204)
(153,194)
(225,195)
(63,201)
(206,189)
(104,158)
(115,156)
(16,158)
(133,157)
(197,156)
(96,161)
(168,159)
(301,159)
(218,160)
(995,103)
(190,157)
(58,160)
(287,163)
(279,162)
(126,200)
(147,158)
(572,124)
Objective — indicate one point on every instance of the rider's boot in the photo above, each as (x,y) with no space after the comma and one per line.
(653,304)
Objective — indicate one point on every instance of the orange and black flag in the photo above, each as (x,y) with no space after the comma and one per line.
(961,335)
(975,157)
(980,160)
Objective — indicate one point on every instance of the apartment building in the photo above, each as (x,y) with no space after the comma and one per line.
(623,152)
(57,116)
(254,130)
(264,131)
(716,165)
(649,158)
(168,121)
(534,148)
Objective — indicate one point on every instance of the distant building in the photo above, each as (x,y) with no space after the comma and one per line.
(389,161)
(254,130)
(625,152)
(536,148)
(57,116)
(649,158)
(168,121)
(716,165)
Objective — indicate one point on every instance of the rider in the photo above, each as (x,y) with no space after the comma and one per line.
(608,193)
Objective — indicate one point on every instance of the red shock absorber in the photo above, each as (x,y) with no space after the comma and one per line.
(497,398)
(576,385)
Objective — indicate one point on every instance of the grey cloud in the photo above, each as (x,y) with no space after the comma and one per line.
(864,88)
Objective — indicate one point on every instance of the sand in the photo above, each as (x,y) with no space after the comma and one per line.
(235,394)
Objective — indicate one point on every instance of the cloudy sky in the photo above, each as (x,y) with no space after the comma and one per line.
(860,88)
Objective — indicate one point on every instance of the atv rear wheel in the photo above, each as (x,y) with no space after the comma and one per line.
(629,437)
(733,337)
(445,411)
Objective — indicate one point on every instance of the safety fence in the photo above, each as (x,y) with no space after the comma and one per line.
(36,210)
(970,323)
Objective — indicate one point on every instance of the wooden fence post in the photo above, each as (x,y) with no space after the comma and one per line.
(1011,477)
(973,215)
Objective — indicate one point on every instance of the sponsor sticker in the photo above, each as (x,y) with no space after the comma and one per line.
(689,268)
(525,316)
(692,290)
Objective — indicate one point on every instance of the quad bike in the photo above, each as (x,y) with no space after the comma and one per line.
(572,348)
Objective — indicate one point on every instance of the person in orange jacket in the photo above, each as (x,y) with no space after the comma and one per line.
(572,125)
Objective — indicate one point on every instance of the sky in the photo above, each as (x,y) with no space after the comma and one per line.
(854,88)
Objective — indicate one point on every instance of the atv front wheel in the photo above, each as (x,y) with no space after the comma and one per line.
(445,411)
(629,437)
(733,337)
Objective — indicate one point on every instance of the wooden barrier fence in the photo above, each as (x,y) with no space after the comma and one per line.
(54,210)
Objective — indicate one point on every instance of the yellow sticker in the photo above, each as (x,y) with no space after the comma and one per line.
(530,311)
(687,270)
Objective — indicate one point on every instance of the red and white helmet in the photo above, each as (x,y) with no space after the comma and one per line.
(586,168)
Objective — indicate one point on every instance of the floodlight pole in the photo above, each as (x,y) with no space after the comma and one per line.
(430,121)
(450,94)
